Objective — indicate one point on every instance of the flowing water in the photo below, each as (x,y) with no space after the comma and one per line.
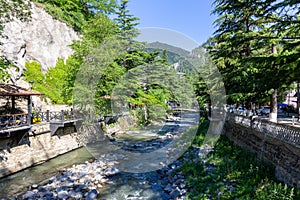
(148,165)
(142,157)
(18,182)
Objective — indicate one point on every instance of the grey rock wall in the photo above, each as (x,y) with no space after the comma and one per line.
(19,152)
(283,152)
(42,39)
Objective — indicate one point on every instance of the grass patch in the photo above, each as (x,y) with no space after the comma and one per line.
(229,172)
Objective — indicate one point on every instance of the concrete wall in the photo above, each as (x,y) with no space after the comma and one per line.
(277,143)
(25,149)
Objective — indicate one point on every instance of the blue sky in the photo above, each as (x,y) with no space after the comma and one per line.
(192,18)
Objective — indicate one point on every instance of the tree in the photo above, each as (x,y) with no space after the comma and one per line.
(237,30)
(76,12)
(4,76)
(95,31)
(126,22)
(247,48)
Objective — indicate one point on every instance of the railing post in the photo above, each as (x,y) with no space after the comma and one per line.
(62,115)
(48,116)
(29,107)
(14,121)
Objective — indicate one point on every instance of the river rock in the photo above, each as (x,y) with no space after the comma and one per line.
(98,177)
(168,188)
(91,195)
(29,195)
(175,193)
(111,171)
(62,194)
(165,196)
(156,187)
(48,196)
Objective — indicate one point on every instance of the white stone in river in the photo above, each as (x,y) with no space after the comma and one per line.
(111,171)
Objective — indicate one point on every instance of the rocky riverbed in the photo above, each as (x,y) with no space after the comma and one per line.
(104,177)
(100,179)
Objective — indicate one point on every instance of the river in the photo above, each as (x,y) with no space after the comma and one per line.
(18,183)
(141,164)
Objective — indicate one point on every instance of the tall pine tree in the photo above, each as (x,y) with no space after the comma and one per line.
(247,49)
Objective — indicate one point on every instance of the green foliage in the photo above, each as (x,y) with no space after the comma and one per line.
(138,57)
(34,73)
(151,103)
(274,191)
(254,46)
(4,76)
(51,83)
(236,173)
(126,22)
(72,66)
(54,81)
(76,12)
(107,82)
(95,30)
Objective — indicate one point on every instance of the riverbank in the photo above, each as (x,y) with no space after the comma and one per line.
(102,180)
(230,172)
(223,171)
(108,177)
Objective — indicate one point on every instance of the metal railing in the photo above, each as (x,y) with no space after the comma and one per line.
(63,115)
(282,132)
(14,120)
(10,121)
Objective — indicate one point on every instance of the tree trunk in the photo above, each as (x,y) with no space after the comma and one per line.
(273,100)
(273,109)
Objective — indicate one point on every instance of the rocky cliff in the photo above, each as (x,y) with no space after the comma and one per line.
(42,39)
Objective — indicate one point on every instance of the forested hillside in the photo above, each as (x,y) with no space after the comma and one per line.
(93,21)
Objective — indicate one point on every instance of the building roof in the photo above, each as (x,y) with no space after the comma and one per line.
(13,90)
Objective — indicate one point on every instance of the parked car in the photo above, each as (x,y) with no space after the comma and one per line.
(265,110)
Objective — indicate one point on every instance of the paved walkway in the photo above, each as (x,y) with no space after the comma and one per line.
(285,118)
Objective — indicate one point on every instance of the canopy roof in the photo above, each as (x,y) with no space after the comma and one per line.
(13,90)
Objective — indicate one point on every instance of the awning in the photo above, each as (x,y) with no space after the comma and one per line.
(13,90)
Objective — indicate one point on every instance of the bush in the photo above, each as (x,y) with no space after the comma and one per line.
(50,84)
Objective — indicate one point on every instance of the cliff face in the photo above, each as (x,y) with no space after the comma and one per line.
(42,39)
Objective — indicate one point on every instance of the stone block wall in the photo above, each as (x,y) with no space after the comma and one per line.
(276,143)
(25,149)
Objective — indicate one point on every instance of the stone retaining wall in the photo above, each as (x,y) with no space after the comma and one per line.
(277,143)
(25,149)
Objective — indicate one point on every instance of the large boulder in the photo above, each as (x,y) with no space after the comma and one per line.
(42,39)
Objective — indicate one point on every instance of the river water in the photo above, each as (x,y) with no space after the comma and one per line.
(17,183)
(146,160)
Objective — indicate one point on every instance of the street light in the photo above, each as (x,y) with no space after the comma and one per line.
(298,100)
(31,82)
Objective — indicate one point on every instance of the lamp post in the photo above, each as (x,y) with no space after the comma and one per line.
(29,104)
(298,100)
(31,82)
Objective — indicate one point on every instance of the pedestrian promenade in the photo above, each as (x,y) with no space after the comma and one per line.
(286,118)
